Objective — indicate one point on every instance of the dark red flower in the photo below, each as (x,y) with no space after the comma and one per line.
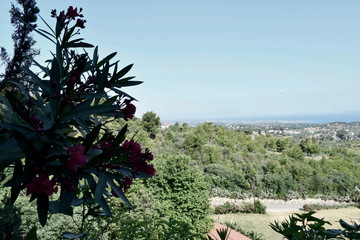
(137,160)
(72,12)
(131,147)
(76,158)
(129,110)
(41,185)
(80,23)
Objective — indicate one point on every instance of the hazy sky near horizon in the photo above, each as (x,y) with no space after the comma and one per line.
(217,59)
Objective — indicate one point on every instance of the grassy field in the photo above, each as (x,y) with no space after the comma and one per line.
(260,222)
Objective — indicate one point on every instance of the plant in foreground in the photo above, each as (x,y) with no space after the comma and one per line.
(307,227)
(55,138)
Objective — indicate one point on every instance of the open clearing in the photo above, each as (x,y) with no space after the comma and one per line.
(260,222)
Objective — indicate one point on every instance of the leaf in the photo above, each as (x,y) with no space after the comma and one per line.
(123,72)
(44,69)
(347,226)
(59,207)
(42,204)
(55,78)
(47,25)
(105,207)
(91,137)
(100,187)
(44,85)
(106,59)
(121,93)
(27,147)
(19,178)
(78,44)
(44,35)
(120,137)
(121,84)
(22,89)
(119,193)
(98,110)
(31,234)
(66,198)
(103,78)
(95,56)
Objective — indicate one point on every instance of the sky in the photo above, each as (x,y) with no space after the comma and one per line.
(217,59)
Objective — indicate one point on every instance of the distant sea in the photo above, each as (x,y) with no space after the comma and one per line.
(310,119)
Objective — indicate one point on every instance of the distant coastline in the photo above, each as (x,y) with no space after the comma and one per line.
(301,119)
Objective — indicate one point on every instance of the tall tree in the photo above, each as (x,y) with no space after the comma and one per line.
(151,123)
(23,18)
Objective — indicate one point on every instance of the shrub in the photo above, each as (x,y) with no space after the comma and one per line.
(247,207)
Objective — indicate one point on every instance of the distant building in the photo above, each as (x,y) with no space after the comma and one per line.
(165,126)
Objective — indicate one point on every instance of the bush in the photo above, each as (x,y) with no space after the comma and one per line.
(247,207)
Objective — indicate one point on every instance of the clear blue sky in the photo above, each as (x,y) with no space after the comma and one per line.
(214,59)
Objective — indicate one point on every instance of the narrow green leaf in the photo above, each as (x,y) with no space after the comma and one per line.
(119,193)
(103,78)
(44,69)
(97,110)
(95,56)
(105,207)
(123,72)
(27,147)
(44,85)
(120,137)
(106,59)
(121,93)
(78,44)
(121,84)
(47,25)
(59,55)
(19,177)
(22,89)
(46,32)
(347,226)
(55,77)
(42,204)
(100,187)
(44,35)
(91,137)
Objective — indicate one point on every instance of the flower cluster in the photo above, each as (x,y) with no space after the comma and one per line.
(76,158)
(71,14)
(129,110)
(41,185)
(138,160)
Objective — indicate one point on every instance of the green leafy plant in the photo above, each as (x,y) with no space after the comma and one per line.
(55,137)
(251,234)
(247,207)
(223,234)
(306,226)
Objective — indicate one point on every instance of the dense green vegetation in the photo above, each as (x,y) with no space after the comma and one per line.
(240,163)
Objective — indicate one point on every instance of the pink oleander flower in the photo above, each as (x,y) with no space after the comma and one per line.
(41,185)
(129,110)
(77,158)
